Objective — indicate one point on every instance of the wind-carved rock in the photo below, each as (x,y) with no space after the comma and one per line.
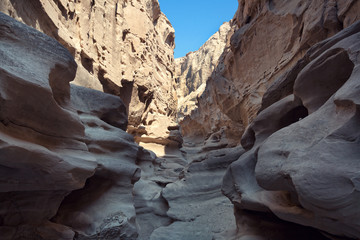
(302,163)
(43,155)
(268,39)
(252,94)
(121,47)
(69,170)
(67,165)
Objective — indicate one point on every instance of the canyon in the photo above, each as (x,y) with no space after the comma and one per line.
(104,135)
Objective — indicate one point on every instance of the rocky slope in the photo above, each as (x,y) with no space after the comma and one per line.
(121,47)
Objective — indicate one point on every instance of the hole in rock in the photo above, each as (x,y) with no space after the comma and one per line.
(248,139)
(87,62)
(145,96)
(170,40)
(293,116)
(124,33)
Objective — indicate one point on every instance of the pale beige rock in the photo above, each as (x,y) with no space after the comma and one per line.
(193,70)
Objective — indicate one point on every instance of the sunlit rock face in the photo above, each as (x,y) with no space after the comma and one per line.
(269,38)
(303,147)
(121,47)
(194,69)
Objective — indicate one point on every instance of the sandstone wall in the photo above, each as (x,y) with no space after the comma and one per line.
(269,38)
(193,70)
(64,152)
(121,47)
(303,147)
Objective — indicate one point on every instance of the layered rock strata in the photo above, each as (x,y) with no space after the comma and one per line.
(121,47)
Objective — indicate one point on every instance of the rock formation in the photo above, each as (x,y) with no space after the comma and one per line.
(252,94)
(121,47)
(64,152)
(193,70)
(269,38)
(267,146)
(302,163)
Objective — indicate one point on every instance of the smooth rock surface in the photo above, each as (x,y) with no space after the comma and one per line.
(306,171)
(43,156)
(104,207)
(67,165)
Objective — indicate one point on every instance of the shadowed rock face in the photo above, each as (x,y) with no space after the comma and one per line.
(306,171)
(43,154)
(64,154)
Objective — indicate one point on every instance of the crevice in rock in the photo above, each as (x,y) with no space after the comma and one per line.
(126,91)
(87,62)
(108,85)
(145,96)
(170,39)
(124,33)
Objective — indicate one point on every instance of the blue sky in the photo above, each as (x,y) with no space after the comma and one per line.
(195,21)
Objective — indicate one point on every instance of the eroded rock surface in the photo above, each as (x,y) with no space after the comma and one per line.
(67,165)
(43,154)
(269,38)
(302,163)
(121,47)
(70,171)
(194,69)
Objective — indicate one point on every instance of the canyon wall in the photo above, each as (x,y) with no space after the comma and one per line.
(64,152)
(269,122)
(287,96)
(193,70)
(121,47)
(303,147)
(269,38)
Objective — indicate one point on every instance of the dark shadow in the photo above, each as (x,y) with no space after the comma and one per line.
(126,93)
(293,116)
